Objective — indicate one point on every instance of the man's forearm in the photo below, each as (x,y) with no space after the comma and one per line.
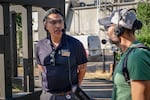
(82,71)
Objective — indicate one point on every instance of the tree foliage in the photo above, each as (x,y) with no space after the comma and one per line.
(19,32)
(143,14)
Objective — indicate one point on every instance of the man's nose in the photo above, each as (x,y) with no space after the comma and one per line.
(58,24)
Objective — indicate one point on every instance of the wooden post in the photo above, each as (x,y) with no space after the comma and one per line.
(5,54)
(28,57)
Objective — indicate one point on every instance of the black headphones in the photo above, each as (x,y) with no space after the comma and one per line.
(119,30)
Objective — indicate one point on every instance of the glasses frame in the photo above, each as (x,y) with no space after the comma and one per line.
(54,22)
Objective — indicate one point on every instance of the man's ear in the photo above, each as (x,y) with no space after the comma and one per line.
(45,27)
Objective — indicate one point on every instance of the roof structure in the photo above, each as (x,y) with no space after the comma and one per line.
(39,3)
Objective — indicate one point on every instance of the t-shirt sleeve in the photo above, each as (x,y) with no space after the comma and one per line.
(81,54)
(37,54)
(139,65)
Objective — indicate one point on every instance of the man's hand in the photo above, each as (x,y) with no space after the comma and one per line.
(40,67)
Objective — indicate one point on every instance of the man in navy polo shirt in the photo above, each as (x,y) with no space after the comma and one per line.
(60,58)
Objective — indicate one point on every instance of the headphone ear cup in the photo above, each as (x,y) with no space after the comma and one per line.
(119,31)
(116,31)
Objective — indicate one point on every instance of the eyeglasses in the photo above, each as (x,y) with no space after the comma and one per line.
(52,58)
(54,22)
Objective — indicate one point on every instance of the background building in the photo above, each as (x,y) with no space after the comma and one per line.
(82,16)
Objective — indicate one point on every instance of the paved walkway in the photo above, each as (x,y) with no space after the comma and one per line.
(98,89)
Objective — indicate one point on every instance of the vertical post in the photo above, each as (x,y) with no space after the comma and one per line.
(78,21)
(104,42)
(103,60)
(114,63)
(5,55)
(28,61)
(13,44)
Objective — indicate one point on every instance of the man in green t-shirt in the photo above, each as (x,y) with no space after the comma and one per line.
(121,26)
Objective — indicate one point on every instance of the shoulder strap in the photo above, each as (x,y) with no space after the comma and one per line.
(124,68)
(141,46)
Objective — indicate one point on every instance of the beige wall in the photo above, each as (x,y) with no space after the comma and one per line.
(1,21)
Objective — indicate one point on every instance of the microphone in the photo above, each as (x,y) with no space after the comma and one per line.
(63,30)
(104,41)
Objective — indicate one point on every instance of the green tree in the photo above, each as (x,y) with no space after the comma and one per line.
(19,30)
(143,14)
(19,36)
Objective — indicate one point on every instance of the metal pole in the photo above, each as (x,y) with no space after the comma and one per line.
(103,60)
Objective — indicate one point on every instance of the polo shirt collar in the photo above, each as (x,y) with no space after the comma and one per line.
(63,40)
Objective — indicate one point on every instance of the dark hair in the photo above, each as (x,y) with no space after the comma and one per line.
(137,25)
(52,11)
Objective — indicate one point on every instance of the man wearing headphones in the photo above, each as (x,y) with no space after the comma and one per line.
(121,27)
(60,58)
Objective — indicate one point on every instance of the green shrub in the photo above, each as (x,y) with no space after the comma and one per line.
(143,14)
(144,38)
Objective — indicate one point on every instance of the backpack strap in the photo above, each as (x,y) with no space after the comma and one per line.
(124,68)
(141,46)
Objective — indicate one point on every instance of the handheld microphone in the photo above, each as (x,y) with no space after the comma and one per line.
(63,30)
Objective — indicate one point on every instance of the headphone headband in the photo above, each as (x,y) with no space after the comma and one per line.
(119,30)
(122,13)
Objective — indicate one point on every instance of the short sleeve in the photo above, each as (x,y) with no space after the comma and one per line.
(37,55)
(139,65)
(81,54)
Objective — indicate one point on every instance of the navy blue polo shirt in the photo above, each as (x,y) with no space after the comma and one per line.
(69,54)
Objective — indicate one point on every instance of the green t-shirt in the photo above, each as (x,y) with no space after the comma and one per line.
(138,66)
